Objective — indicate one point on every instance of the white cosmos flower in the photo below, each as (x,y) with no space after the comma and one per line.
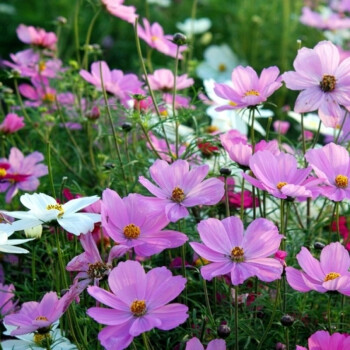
(31,341)
(194,26)
(218,63)
(163,3)
(9,245)
(232,119)
(44,209)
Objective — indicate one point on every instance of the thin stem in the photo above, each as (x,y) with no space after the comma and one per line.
(206,297)
(242,199)
(252,131)
(76,31)
(145,341)
(317,134)
(329,314)
(236,319)
(303,135)
(116,145)
(337,219)
(227,205)
(173,102)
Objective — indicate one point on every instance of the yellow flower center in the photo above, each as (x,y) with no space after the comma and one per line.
(154,38)
(222,67)
(341,181)
(237,254)
(328,83)
(201,261)
(177,195)
(212,128)
(56,206)
(41,318)
(42,66)
(252,93)
(281,184)
(42,339)
(138,308)
(98,269)
(3,172)
(131,231)
(49,97)
(233,104)
(164,113)
(331,276)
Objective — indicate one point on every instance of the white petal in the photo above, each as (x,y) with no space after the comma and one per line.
(77,223)
(12,249)
(77,204)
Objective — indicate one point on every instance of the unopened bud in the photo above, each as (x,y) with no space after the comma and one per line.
(94,113)
(224,331)
(126,127)
(179,39)
(287,320)
(34,232)
(319,245)
(225,171)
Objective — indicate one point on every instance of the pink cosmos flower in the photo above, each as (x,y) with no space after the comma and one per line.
(114,81)
(243,255)
(21,173)
(248,89)
(180,187)
(331,163)
(138,302)
(34,316)
(163,79)
(90,265)
(323,79)
(281,126)
(154,36)
(37,36)
(322,340)
(330,273)
(116,8)
(7,294)
(280,176)
(136,225)
(11,123)
(195,344)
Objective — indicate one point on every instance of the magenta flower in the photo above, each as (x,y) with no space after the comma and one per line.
(281,126)
(248,89)
(22,174)
(322,340)
(114,80)
(90,265)
(37,36)
(138,302)
(280,176)
(330,273)
(195,344)
(132,222)
(180,187)
(11,123)
(243,255)
(331,163)
(34,316)
(154,36)
(7,294)
(324,81)
(163,79)
(116,8)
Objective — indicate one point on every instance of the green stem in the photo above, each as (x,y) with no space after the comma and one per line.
(242,199)
(337,219)
(173,103)
(206,297)
(145,341)
(236,319)
(252,131)
(227,205)
(303,135)
(76,31)
(329,314)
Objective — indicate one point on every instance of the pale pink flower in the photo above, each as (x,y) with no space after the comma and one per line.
(116,8)
(281,126)
(37,36)
(163,79)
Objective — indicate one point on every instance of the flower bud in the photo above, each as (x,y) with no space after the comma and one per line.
(225,171)
(287,320)
(318,245)
(34,232)
(179,39)
(224,331)
(94,113)
(126,127)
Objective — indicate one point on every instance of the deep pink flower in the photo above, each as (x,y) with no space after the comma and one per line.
(116,8)
(90,265)
(242,255)
(154,36)
(195,344)
(132,222)
(322,340)
(138,302)
(22,174)
(248,89)
(330,273)
(343,229)
(163,79)
(324,80)
(180,187)
(7,294)
(114,81)
(37,36)
(331,163)
(11,123)
(280,176)
(281,126)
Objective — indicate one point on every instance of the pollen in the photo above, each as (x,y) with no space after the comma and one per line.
(164,113)
(212,128)
(252,93)
(49,97)
(138,308)
(98,269)
(237,254)
(280,185)
(222,67)
(331,276)
(177,195)
(233,104)
(341,181)
(154,38)
(328,83)
(41,318)
(131,231)
(42,66)
(56,206)
(3,172)
(42,339)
